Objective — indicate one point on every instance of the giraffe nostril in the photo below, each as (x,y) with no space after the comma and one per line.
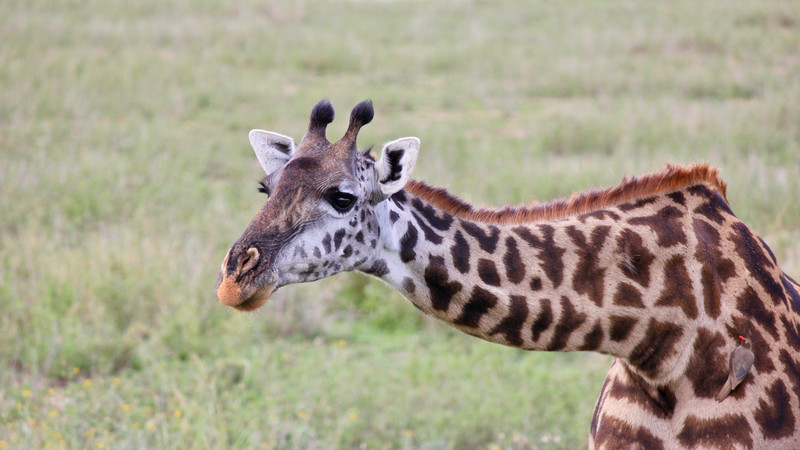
(249,260)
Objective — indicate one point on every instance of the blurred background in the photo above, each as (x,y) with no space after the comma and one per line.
(126,173)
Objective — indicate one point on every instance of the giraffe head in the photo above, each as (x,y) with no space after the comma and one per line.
(324,212)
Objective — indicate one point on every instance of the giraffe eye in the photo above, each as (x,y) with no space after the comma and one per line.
(341,201)
(263,188)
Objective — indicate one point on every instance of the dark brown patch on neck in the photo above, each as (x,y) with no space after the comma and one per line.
(589,277)
(774,414)
(678,287)
(728,431)
(618,434)
(707,368)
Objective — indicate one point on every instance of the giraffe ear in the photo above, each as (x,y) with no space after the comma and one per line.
(273,150)
(396,164)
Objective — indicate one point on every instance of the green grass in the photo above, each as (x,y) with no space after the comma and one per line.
(126,173)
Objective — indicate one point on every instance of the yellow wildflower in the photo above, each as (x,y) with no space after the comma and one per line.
(352,416)
(100,444)
(177,414)
(87,382)
(126,407)
(303,415)
(409,433)
(90,432)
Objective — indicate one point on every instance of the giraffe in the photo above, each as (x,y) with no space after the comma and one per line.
(656,271)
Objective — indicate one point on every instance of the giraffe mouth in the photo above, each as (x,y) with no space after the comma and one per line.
(230,293)
(256,299)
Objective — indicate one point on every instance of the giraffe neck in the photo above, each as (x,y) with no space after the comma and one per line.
(614,280)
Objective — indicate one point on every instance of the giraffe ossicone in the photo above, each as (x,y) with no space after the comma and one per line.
(657,271)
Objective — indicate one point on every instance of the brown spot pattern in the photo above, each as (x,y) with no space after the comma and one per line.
(637,258)
(429,212)
(708,367)
(515,268)
(621,327)
(430,235)
(408,285)
(714,207)
(488,272)
(751,306)
(615,433)
(756,261)
(627,207)
(774,413)
(436,277)
(593,338)
(460,253)
(543,320)
(601,214)
(407,244)
(678,287)
(549,253)
(792,368)
(716,268)
(722,432)
(588,277)
(511,325)
(631,387)
(792,292)
(792,332)
(627,295)
(678,198)
(666,223)
(486,241)
(479,303)
(657,346)
(568,322)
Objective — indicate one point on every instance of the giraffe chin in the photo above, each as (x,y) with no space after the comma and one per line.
(230,293)
(256,300)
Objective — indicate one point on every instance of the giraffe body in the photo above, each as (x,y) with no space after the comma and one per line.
(656,271)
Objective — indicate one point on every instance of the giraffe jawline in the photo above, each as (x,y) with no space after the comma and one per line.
(256,299)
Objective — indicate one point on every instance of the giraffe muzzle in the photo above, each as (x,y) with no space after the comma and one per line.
(244,297)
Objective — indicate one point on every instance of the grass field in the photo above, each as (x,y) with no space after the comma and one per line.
(126,174)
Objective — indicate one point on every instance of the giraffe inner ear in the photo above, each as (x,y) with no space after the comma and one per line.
(396,164)
(273,150)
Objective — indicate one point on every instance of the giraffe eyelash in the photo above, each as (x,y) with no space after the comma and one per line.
(262,187)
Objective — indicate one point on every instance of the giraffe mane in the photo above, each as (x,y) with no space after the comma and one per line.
(671,178)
